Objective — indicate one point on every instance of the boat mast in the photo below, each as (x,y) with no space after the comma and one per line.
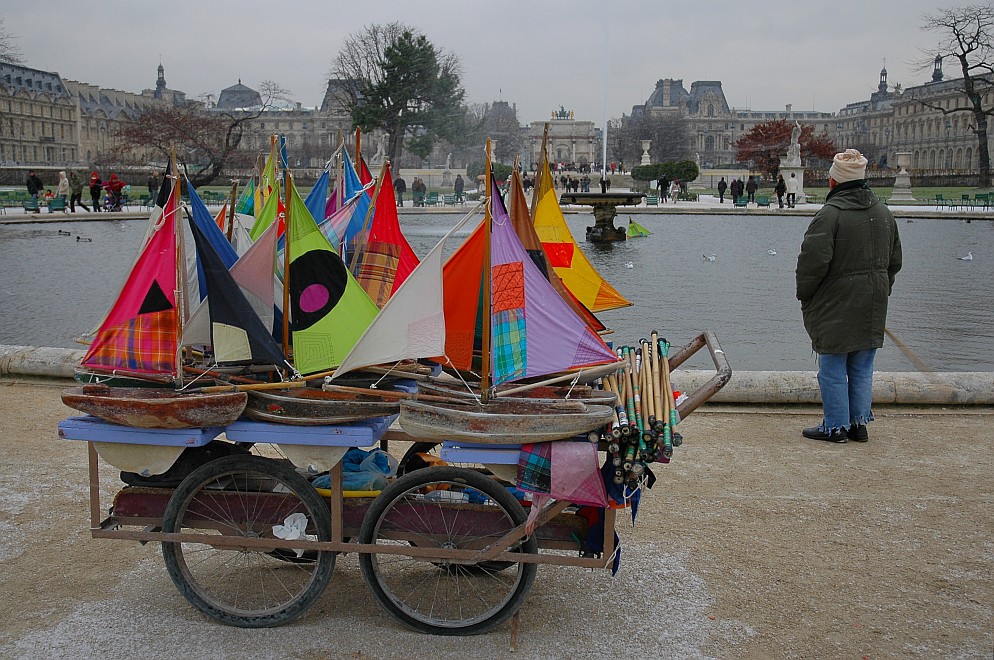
(485,376)
(360,238)
(286,267)
(542,163)
(180,292)
(231,211)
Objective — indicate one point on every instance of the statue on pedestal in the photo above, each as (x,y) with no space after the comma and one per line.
(381,149)
(793,158)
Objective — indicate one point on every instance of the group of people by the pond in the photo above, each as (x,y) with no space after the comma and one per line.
(106,195)
(739,189)
(573,184)
(670,190)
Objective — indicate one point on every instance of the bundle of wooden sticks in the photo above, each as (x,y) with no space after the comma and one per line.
(645,415)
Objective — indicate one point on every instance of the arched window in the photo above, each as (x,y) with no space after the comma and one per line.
(968,163)
(710,110)
(709,143)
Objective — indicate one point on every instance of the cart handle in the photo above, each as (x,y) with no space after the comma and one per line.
(719,380)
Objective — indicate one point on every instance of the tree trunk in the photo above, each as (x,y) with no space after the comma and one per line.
(983,151)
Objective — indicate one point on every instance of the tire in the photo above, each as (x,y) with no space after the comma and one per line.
(246,496)
(434,596)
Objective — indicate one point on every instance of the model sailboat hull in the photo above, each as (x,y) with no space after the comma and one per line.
(156,408)
(312,407)
(507,421)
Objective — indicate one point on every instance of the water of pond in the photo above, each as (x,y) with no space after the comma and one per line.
(54,288)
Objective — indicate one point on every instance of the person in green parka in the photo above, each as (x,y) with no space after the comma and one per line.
(845,271)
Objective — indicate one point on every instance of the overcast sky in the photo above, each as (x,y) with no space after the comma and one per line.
(597,58)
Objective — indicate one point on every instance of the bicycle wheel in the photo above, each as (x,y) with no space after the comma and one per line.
(247,496)
(446,508)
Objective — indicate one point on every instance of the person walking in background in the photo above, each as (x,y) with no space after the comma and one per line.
(675,190)
(399,187)
(722,187)
(845,272)
(62,190)
(153,184)
(75,191)
(793,187)
(34,185)
(780,189)
(96,186)
(751,187)
(458,186)
(664,188)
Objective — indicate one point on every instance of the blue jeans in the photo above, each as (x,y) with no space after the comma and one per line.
(846,383)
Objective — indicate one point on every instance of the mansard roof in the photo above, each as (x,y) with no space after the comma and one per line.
(238,96)
(699,89)
(15,78)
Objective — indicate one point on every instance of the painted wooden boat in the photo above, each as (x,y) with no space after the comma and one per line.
(313,407)
(501,421)
(156,408)
(581,393)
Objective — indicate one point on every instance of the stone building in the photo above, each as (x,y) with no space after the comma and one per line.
(102,112)
(713,125)
(38,118)
(571,141)
(312,134)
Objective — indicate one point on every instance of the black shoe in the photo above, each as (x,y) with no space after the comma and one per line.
(817,433)
(857,433)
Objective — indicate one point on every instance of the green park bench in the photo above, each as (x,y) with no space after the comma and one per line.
(31,206)
(56,204)
(763,200)
(741,202)
(651,200)
(450,200)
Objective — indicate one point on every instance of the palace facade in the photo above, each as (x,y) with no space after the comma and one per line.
(46,121)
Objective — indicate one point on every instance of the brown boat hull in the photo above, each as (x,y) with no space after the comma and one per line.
(313,407)
(506,421)
(156,408)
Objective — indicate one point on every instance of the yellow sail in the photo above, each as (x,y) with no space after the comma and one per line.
(565,256)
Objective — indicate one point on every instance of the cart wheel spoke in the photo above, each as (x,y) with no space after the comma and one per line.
(448,509)
(246,496)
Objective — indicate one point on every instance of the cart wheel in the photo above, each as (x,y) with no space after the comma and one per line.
(446,508)
(246,496)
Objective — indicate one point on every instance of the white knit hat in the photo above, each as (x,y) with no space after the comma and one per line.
(850,165)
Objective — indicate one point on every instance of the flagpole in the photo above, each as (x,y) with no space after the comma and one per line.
(485,366)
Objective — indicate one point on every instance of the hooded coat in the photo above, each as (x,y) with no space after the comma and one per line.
(845,271)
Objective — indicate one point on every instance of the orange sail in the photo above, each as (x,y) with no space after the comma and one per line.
(517,207)
(565,256)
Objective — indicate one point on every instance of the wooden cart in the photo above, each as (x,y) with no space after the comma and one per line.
(250,542)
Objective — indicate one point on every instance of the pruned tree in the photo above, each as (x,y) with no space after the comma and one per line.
(395,79)
(763,145)
(9,51)
(205,141)
(966,35)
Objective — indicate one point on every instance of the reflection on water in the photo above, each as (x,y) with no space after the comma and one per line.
(55,288)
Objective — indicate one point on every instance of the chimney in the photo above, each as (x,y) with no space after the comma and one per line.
(788,108)
(298,105)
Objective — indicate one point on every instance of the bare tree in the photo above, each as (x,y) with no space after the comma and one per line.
(9,52)
(966,36)
(205,141)
(668,135)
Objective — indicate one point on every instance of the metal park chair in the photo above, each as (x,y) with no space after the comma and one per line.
(982,199)
(939,201)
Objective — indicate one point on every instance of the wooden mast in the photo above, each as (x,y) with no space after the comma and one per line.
(542,162)
(180,291)
(286,267)
(367,221)
(485,377)
(231,211)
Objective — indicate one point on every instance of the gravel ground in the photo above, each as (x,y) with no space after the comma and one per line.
(753,543)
